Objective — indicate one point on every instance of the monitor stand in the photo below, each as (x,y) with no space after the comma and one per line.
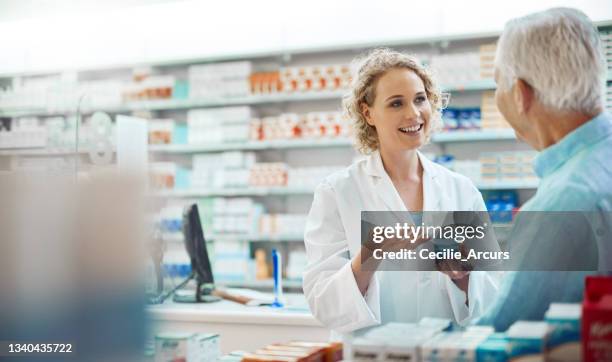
(202,295)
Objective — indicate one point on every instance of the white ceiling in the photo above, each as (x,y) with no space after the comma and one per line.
(76,34)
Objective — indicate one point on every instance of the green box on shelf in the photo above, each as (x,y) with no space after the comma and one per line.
(182,178)
(179,134)
(181,89)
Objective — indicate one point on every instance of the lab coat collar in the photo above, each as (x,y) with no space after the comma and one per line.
(386,190)
(375,167)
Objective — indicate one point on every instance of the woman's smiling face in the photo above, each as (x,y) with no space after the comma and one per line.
(401,111)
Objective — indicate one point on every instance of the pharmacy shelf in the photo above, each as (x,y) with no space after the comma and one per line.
(41,151)
(247,191)
(508,185)
(289,191)
(444,137)
(266,283)
(178,238)
(469,136)
(175,104)
(253,145)
(478,85)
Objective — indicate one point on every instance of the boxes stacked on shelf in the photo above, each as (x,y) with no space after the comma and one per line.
(312,125)
(395,341)
(454,346)
(231,261)
(96,95)
(469,168)
(507,166)
(239,169)
(487,61)
(184,346)
(502,205)
(268,174)
(160,131)
(22,133)
(149,88)
(456,69)
(315,78)
(308,177)
(222,80)
(235,216)
(279,225)
(62,94)
(168,175)
(606,42)
(491,117)
(461,119)
(265,83)
(296,351)
(31,95)
(220,170)
(296,264)
(493,167)
(527,340)
(563,343)
(218,125)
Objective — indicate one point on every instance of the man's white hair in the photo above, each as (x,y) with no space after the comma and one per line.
(558,53)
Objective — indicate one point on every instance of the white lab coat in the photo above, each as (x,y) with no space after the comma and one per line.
(332,238)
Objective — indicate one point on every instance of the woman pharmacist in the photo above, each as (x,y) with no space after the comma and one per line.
(394,103)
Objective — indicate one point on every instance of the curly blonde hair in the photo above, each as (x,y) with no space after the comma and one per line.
(363,85)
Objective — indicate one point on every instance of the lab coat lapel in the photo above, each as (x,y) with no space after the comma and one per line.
(383,186)
(433,190)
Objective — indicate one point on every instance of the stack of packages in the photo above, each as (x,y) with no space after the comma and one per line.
(314,78)
(557,338)
(289,126)
(455,70)
(187,347)
(491,118)
(278,225)
(222,80)
(292,352)
(218,125)
(268,174)
(222,170)
(508,166)
(487,61)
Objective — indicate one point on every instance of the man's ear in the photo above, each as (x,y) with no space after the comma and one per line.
(365,110)
(524,95)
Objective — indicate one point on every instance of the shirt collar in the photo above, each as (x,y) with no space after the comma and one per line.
(553,157)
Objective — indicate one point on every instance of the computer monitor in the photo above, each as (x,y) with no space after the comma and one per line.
(195,244)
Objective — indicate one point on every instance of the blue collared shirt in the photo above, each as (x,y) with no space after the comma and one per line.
(575,175)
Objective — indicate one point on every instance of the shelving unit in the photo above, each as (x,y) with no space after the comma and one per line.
(253,146)
(440,137)
(181,104)
(467,144)
(254,238)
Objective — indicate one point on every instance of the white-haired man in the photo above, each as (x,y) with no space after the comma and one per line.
(551,74)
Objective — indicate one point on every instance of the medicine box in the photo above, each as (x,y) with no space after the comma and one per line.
(528,340)
(563,345)
(188,347)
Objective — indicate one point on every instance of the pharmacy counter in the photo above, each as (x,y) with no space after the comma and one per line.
(241,327)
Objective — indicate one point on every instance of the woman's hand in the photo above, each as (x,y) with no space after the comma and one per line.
(457,271)
(364,265)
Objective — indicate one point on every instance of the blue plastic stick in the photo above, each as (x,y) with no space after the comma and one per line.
(278,281)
